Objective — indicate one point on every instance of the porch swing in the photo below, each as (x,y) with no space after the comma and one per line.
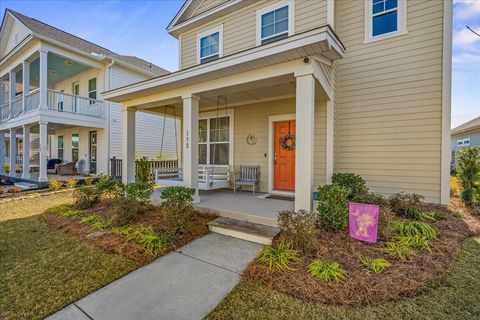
(210,176)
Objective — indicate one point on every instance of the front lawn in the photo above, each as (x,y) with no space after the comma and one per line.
(454,296)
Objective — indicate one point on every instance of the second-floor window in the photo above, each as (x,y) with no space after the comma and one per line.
(92,89)
(210,45)
(275,22)
(385,18)
(463,142)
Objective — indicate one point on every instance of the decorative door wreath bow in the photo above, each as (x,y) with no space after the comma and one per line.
(287,142)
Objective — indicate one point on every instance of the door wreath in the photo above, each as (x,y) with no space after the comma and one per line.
(287,142)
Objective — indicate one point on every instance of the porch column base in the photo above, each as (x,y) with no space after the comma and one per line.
(26,153)
(13,152)
(128,145)
(305,117)
(42,177)
(190,144)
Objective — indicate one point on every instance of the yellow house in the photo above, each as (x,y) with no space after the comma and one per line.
(303,89)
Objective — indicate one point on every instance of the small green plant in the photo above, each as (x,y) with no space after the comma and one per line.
(108,187)
(142,170)
(177,195)
(375,265)
(87,181)
(86,197)
(177,208)
(406,204)
(415,242)
(457,214)
(60,209)
(355,183)
(468,173)
(123,230)
(371,198)
(415,228)
(54,184)
(132,201)
(71,183)
(73,213)
(299,229)
(97,222)
(152,242)
(279,257)
(398,251)
(333,207)
(326,270)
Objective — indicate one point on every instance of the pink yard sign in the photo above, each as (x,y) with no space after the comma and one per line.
(363,221)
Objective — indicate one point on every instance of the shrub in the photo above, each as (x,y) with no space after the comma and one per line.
(279,257)
(355,183)
(107,187)
(2,190)
(54,184)
(71,183)
(398,251)
(375,265)
(326,270)
(14,190)
(149,240)
(86,197)
(406,204)
(298,228)
(177,207)
(87,181)
(415,242)
(415,228)
(134,200)
(142,170)
(468,173)
(333,206)
(97,222)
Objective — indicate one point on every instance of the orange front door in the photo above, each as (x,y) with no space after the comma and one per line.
(284,160)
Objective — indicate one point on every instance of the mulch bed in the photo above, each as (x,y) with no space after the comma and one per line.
(404,278)
(118,244)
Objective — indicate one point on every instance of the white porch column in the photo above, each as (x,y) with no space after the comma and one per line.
(128,145)
(2,92)
(190,143)
(2,152)
(26,82)
(13,152)
(26,153)
(305,117)
(329,142)
(12,88)
(43,151)
(43,79)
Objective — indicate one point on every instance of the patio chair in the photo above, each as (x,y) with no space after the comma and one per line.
(67,169)
(52,165)
(247,176)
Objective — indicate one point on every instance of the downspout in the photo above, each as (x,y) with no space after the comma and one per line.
(109,121)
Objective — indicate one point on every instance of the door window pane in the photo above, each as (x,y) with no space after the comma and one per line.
(60,145)
(75,141)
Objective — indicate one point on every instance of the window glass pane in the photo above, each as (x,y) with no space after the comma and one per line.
(60,142)
(214,39)
(377,1)
(281,13)
(92,84)
(281,26)
(219,153)
(202,130)
(202,154)
(267,31)
(219,129)
(268,18)
(390,4)
(204,42)
(75,139)
(204,52)
(385,23)
(377,8)
(60,154)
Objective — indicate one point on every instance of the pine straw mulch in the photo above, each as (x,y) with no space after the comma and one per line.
(404,277)
(115,243)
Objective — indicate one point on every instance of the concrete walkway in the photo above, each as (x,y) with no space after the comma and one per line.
(185,284)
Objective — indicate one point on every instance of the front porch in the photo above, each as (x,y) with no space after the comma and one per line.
(34,178)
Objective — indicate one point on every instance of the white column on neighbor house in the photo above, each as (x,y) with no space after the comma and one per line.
(26,153)
(329,142)
(305,118)
(128,145)
(42,177)
(26,82)
(190,143)
(43,82)
(2,152)
(13,151)
(12,88)
(2,92)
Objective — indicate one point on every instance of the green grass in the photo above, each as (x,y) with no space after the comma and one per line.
(454,296)
(42,271)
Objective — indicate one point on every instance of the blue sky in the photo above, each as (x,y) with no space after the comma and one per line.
(138,28)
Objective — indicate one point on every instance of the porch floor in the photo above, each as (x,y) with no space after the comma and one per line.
(243,206)
(34,178)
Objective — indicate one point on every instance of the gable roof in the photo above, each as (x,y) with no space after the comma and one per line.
(50,32)
(467,126)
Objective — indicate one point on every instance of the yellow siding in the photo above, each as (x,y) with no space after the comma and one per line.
(254,119)
(239,28)
(389,100)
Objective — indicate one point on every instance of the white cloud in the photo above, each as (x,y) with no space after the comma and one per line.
(467,8)
(465,37)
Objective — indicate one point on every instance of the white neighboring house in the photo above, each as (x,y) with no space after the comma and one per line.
(51,85)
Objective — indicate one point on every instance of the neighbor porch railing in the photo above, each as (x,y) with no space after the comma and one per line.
(64,102)
(16,107)
(4,111)
(32,100)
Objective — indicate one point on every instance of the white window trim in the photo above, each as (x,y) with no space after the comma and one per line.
(401,22)
(212,115)
(208,32)
(463,142)
(275,6)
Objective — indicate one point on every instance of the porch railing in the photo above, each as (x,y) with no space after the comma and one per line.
(16,107)
(4,112)
(32,100)
(116,167)
(64,102)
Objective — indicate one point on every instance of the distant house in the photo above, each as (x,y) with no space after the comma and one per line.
(465,135)
(51,102)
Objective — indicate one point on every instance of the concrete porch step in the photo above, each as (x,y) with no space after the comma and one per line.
(244,230)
